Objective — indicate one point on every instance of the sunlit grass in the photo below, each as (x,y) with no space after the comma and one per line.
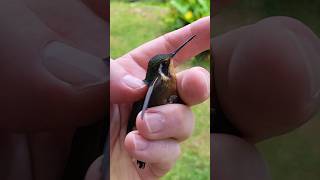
(132,24)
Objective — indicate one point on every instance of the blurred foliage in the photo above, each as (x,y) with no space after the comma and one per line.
(143,1)
(183,12)
(175,14)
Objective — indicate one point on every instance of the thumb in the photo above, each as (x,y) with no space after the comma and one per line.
(124,87)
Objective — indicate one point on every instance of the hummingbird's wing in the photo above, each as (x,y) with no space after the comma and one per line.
(147,98)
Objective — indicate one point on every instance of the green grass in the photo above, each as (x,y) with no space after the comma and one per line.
(296,155)
(194,162)
(133,24)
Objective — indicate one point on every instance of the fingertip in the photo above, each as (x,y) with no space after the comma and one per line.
(153,122)
(132,82)
(141,125)
(129,142)
(194,85)
(124,86)
(159,123)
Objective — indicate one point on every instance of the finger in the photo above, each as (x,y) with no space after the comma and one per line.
(160,123)
(123,83)
(60,80)
(234,158)
(81,26)
(248,56)
(159,155)
(169,42)
(193,85)
(161,151)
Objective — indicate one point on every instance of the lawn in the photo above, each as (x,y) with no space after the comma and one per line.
(133,24)
(296,155)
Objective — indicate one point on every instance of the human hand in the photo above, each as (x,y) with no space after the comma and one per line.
(234,158)
(52,58)
(162,147)
(53,81)
(268,84)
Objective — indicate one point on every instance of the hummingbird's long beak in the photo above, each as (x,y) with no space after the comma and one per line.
(147,98)
(179,48)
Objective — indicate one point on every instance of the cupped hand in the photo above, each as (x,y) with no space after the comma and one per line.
(268,83)
(156,140)
(51,64)
(52,81)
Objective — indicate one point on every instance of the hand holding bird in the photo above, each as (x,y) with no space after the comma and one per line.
(156,139)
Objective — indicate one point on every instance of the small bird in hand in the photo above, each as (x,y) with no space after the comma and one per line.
(162,87)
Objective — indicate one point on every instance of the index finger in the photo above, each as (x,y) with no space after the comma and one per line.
(170,41)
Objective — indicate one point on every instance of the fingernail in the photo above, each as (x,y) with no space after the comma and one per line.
(75,67)
(133,82)
(154,122)
(139,143)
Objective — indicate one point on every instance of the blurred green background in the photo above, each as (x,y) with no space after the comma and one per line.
(133,23)
(296,155)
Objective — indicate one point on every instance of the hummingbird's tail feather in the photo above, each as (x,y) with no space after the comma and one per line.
(145,105)
(136,108)
(148,96)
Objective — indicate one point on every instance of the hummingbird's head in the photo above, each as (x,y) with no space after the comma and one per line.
(161,65)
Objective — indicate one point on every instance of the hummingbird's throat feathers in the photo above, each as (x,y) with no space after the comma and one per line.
(164,73)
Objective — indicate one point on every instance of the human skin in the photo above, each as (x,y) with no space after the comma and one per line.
(32,34)
(267,81)
(40,149)
(40,105)
(162,148)
(234,158)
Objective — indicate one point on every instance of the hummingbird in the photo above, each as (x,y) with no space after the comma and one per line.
(162,87)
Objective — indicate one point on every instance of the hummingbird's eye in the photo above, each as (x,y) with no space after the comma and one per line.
(166,63)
